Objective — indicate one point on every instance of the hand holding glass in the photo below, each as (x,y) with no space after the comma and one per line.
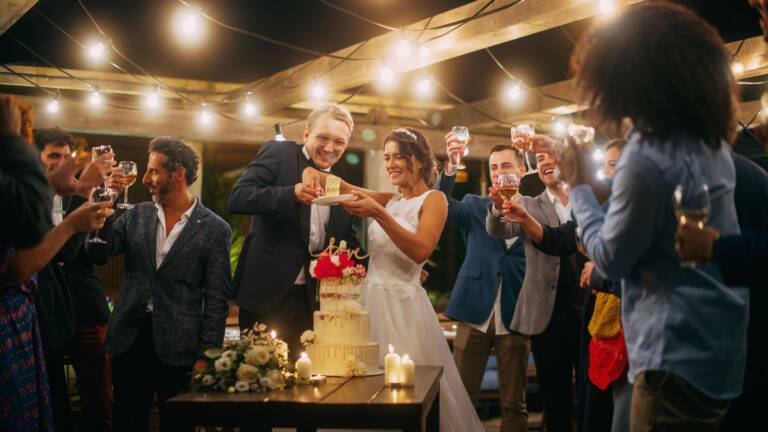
(508,185)
(692,208)
(130,173)
(101,194)
(462,134)
(522,140)
(98,151)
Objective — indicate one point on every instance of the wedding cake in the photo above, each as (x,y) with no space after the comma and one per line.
(340,344)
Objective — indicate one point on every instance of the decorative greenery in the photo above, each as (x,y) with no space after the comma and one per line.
(439,298)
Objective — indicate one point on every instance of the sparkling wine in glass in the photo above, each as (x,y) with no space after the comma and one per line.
(692,208)
(522,140)
(462,134)
(99,151)
(101,194)
(130,173)
(508,186)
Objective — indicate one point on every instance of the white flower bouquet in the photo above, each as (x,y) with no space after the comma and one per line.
(258,362)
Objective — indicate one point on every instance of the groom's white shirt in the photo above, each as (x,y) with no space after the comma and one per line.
(318,218)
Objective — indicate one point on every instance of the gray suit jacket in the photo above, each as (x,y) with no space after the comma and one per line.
(189,291)
(537,296)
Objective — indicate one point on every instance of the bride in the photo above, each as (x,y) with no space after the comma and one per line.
(405,231)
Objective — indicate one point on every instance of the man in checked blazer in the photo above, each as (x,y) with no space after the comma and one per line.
(173,302)
(549,306)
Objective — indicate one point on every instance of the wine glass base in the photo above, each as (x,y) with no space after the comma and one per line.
(688,264)
(125,206)
(97,240)
(461,167)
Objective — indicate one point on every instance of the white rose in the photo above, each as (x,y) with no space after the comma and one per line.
(207,380)
(347,271)
(335,260)
(255,387)
(281,349)
(308,337)
(223,364)
(360,369)
(247,373)
(232,355)
(256,356)
(276,378)
(242,386)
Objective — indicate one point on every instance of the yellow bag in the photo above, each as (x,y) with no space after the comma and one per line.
(606,319)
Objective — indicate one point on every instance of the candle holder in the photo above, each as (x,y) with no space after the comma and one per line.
(395,385)
(317,379)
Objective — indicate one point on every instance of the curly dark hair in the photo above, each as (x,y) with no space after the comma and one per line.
(177,155)
(53,135)
(411,142)
(663,67)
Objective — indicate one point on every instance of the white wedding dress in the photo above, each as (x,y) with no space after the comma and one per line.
(402,315)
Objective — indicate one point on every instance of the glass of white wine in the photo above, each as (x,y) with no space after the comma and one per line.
(99,151)
(508,186)
(692,208)
(130,173)
(522,140)
(101,194)
(462,134)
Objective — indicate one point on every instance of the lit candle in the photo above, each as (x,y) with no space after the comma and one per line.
(303,368)
(273,334)
(391,367)
(407,371)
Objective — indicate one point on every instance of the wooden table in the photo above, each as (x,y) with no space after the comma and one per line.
(361,402)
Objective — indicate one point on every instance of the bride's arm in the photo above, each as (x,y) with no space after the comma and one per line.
(418,246)
(316,179)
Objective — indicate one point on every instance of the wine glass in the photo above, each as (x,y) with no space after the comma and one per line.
(508,185)
(462,134)
(522,140)
(692,208)
(101,194)
(130,173)
(99,151)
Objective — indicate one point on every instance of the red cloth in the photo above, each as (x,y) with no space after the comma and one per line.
(607,360)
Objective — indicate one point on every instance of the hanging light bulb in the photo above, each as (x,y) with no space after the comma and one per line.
(597,155)
(403,48)
(737,68)
(318,91)
(600,174)
(249,108)
(559,127)
(424,52)
(514,92)
(205,117)
(152,100)
(95,98)
(606,8)
(385,77)
(53,105)
(423,87)
(188,23)
(279,132)
(96,50)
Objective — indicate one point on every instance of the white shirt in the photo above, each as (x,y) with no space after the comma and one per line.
(318,218)
(163,243)
(563,212)
(57,212)
(499,327)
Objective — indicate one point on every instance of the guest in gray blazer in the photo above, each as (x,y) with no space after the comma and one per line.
(173,302)
(548,308)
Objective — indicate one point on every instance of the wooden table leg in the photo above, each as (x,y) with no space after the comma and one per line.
(433,417)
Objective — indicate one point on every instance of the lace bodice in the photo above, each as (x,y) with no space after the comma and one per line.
(389,267)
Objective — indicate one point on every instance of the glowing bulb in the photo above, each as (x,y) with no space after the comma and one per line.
(737,68)
(249,109)
(386,76)
(152,100)
(600,174)
(403,49)
(424,52)
(606,7)
(205,117)
(514,92)
(53,106)
(273,334)
(598,155)
(559,127)
(318,91)
(95,99)
(423,87)
(96,50)
(188,23)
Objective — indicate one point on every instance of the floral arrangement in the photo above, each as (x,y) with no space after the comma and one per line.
(336,262)
(258,362)
(353,367)
(308,337)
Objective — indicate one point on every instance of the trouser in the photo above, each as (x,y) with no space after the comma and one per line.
(137,375)
(471,349)
(290,318)
(556,356)
(57,383)
(94,375)
(622,404)
(663,401)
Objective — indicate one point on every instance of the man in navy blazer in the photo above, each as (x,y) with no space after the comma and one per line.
(272,284)
(485,293)
(173,302)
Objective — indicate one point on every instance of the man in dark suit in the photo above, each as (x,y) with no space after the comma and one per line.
(272,283)
(173,302)
(485,293)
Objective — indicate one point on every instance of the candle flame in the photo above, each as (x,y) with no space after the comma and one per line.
(405,357)
(273,334)
(391,350)
(303,355)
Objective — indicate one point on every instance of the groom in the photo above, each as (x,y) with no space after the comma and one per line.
(272,284)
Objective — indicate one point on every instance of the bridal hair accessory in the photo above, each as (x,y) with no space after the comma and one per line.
(407,132)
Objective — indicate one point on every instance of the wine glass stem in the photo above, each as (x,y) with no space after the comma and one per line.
(125,195)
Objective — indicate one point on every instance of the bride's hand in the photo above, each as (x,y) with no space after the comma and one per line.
(363,206)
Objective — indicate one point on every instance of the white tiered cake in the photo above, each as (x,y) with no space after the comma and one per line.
(342,326)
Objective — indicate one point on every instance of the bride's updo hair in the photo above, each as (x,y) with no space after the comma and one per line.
(411,142)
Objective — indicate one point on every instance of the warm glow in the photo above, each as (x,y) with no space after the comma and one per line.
(152,100)
(318,91)
(559,127)
(737,68)
(403,49)
(303,355)
(423,87)
(53,106)
(606,7)
(273,334)
(514,92)
(600,174)
(597,155)
(385,77)
(391,350)
(95,99)
(188,24)
(96,50)
(249,109)
(405,358)
(424,52)
(205,116)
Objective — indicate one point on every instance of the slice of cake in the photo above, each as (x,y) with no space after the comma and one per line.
(342,327)
(332,185)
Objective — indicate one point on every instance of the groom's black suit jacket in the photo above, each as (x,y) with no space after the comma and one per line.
(277,245)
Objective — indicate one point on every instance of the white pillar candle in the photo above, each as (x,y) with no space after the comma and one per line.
(407,371)
(391,367)
(303,368)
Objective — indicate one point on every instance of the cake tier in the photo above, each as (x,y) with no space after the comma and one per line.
(342,286)
(342,328)
(341,295)
(331,359)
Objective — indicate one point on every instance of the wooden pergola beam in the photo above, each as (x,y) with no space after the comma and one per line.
(11,11)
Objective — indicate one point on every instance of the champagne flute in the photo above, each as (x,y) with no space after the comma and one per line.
(522,140)
(508,185)
(99,151)
(462,134)
(101,194)
(692,208)
(130,173)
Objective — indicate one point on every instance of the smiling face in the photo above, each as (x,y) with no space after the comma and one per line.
(326,141)
(504,162)
(611,159)
(545,164)
(400,174)
(54,155)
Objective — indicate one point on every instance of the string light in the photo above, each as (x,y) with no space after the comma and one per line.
(514,92)
(205,117)
(279,132)
(423,87)
(385,76)
(249,108)
(737,68)
(318,91)
(189,25)
(600,174)
(403,48)
(559,126)
(606,8)
(598,155)
(95,99)
(152,100)
(424,52)
(96,50)
(53,105)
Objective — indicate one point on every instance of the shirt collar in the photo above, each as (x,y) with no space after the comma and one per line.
(306,155)
(187,214)
(552,197)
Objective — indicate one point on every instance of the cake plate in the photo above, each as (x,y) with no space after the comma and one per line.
(334,199)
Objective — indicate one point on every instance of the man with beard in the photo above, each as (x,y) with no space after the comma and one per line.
(173,302)
(272,283)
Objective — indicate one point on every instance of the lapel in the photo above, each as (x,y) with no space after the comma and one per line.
(193,225)
(150,236)
(304,210)
(550,214)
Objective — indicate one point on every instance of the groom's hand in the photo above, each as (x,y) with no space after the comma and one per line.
(304,194)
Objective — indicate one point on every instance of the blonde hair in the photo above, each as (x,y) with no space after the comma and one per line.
(336,111)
